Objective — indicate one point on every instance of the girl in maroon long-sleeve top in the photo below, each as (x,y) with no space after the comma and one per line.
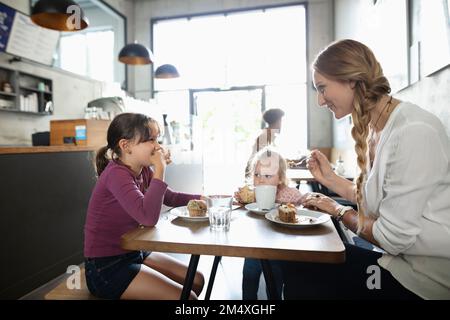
(129,193)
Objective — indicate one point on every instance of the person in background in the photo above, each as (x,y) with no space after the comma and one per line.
(129,193)
(268,167)
(273,118)
(402,191)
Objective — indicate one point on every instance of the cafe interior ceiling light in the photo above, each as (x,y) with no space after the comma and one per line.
(61,15)
(166,71)
(135,53)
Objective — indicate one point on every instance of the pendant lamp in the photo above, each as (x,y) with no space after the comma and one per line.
(135,53)
(166,71)
(61,15)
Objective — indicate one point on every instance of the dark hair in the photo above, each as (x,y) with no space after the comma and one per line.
(127,126)
(272,115)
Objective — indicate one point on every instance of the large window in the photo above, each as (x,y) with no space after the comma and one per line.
(89,53)
(223,55)
(248,48)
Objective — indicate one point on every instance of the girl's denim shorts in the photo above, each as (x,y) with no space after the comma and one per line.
(109,277)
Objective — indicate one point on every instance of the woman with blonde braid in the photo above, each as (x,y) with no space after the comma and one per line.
(402,191)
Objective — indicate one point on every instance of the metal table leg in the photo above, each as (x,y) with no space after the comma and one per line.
(270,281)
(190,274)
(212,276)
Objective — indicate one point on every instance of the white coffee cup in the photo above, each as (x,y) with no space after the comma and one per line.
(265,196)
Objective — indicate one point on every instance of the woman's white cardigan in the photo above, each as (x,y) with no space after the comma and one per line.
(408,191)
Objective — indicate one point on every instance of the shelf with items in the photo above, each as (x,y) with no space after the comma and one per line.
(8,92)
(22,92)
(8,104)
(35,92)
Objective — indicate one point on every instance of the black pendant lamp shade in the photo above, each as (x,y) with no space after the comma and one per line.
(135,53)
(61,15)
(166,71)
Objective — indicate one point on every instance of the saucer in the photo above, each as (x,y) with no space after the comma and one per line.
(253,207)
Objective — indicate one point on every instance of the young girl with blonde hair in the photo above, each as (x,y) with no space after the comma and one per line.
(267,167)
(401,193)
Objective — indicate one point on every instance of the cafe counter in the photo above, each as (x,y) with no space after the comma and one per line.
(44,194)
(45,149)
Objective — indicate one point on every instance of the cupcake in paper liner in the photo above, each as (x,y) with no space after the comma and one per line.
(196,208)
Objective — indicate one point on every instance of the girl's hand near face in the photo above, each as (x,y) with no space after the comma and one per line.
(167,155)
(320,167)
(158,158)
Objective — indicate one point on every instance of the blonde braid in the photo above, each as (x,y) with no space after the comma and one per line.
(360,132)
(367,94)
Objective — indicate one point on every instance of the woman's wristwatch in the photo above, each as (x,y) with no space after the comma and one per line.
(343,210)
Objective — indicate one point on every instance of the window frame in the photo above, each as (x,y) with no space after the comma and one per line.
(85,33)
(155,20)
(308,79)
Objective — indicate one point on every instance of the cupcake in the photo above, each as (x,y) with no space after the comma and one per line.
(287,213)
(246,195)
(197,208)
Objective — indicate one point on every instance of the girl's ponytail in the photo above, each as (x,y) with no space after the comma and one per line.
(101,161)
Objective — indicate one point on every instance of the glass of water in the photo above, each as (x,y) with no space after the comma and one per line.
(219,212)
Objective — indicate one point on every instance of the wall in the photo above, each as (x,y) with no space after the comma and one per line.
(431,93)
(71,92)
(320,26)
(21,5)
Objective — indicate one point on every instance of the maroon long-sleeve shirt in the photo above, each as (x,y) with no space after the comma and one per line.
(120,202)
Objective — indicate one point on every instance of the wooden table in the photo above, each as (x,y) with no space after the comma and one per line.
(250,236)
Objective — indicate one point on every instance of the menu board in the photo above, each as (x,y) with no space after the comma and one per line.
(21,37)
(6,20)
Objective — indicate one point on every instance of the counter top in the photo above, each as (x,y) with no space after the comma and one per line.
(45,149)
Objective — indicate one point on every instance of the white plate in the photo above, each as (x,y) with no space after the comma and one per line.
(305,218)
(183,213)
(253,207)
